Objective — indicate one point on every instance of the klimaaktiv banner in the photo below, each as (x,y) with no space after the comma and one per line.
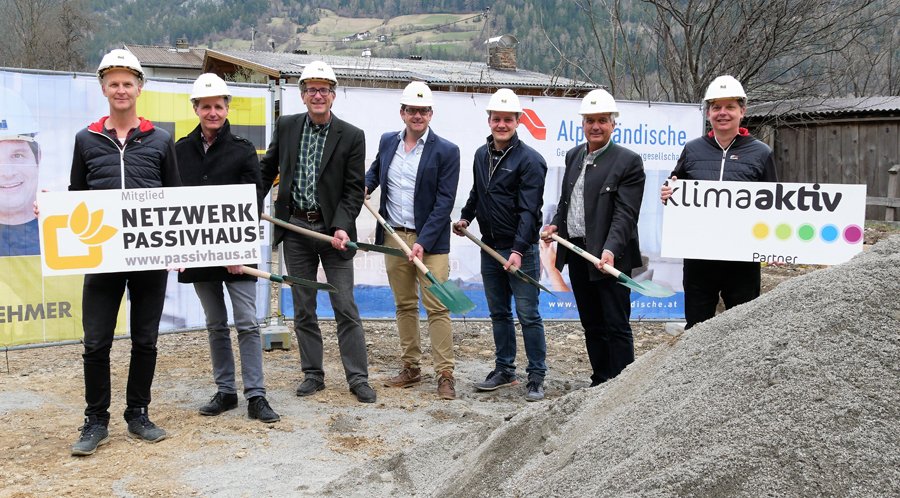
(792,223)
(656,131)
(35,308)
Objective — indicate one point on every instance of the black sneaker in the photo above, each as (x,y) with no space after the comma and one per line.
(310,386)
(142,428)
(534,390)
(497,379)
(259,409)
(363,392)
(220,402)
(93,434)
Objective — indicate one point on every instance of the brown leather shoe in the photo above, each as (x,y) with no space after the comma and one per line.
(408,377)
(446,385)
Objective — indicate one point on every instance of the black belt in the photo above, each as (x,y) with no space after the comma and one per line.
(310,216)
(405,230)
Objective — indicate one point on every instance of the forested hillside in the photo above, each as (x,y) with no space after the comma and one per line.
(640,49)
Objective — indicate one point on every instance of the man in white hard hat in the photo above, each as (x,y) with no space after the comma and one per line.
(121,151)
(213,155)
(321,161)
(506,199)
(20,155)
(726,153)
(418,172)
(598,209)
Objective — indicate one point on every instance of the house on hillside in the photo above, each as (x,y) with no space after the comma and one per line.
(499,71)
(180,61)
(839,140)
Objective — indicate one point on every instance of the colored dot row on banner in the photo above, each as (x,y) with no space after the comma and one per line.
(852,234)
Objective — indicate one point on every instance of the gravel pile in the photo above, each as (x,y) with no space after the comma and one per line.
(796,393)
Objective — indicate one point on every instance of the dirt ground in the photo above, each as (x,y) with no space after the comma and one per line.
(319,439)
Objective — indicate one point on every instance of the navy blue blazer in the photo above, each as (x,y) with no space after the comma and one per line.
(435,191)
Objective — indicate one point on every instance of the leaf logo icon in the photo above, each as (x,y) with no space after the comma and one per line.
(89,226)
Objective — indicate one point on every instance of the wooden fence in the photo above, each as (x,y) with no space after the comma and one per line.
(851,152)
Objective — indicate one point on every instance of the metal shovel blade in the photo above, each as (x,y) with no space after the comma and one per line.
(527,279)
(302,282)
(390,251)
(450,295)
(646,288)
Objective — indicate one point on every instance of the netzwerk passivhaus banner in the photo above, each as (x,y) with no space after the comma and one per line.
(104,231)
(793,223)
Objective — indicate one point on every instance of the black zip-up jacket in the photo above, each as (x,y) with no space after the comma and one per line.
(746,160)
(147,160)
(230,160)
(507,203)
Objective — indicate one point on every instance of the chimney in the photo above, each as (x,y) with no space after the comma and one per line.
(502,52)
(181,45)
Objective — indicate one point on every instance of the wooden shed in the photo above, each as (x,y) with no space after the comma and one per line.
(843,140)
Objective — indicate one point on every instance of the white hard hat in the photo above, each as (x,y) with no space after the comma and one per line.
(417,93)
(504,100)
(725,87)
(318,70)
(598,101)
(121,59)
(16,120)
(210,85)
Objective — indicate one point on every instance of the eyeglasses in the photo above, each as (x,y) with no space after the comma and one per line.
(321,91)
(412,111)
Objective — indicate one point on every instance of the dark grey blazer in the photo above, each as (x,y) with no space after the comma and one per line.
(613,190)
(341,176)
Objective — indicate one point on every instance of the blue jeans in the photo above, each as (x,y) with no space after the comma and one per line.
(500,287)
(243,305)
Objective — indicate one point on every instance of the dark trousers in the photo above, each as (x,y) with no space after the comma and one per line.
(100,303)
(704,280)
(302,256)
(604,307)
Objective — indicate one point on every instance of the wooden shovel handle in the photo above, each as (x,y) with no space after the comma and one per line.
(584,254)
(256,273)
(296,229)
(486,248)
(390,230)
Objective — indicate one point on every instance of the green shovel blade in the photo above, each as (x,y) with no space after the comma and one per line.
(527,279)
(302,282)
(390,251)
(450,295)
(646,288)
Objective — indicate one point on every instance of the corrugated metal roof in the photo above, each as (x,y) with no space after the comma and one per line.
(437,72)
(826,107)
(153,56)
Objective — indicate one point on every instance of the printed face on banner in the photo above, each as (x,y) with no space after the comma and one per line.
(18,181)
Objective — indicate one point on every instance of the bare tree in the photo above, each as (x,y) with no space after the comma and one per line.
(777,48)
(43,34)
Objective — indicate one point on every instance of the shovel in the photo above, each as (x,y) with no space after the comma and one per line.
(446,292)
(362,246)
(646,288)
(503,261)
(302,282)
